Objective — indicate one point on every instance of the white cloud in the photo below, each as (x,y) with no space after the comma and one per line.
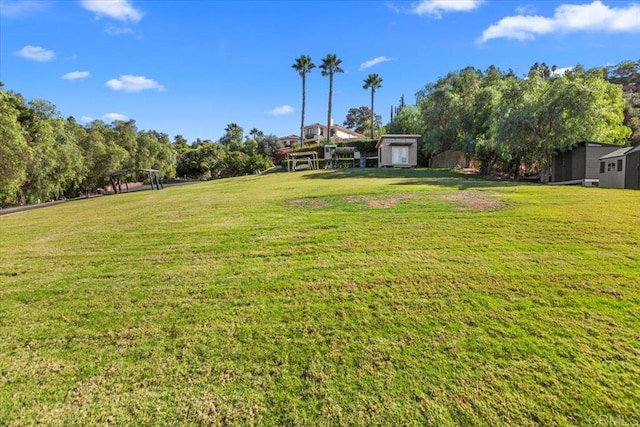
(75,75)
(14,8)
(567,18)
(36,53)
(121,10)
(112,30)
(374,61)
(280,111)
(526,9)
(115,116)
(86,119)
(129,83)
(437,7)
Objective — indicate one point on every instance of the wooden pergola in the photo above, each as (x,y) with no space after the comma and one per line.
(119,177)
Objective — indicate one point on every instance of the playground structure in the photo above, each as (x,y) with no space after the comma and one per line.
(337,157)
(334,157)
(302,160)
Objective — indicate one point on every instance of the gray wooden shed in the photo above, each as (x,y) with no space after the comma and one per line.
(398,150)
(613,168)
(632,174)
(581,163)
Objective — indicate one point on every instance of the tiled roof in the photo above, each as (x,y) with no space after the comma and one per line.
(337,127)
(349,131)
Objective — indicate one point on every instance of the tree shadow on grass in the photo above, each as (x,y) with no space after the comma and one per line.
(418,176)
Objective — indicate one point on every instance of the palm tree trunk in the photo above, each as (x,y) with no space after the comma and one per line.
(372,115)
(303,104)
(329,110)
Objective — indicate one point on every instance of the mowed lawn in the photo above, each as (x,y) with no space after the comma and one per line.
(346,297)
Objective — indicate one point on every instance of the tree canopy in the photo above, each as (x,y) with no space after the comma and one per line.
(359,119)
(516,124)
(46,157)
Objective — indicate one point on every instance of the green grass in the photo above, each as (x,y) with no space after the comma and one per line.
(324,298)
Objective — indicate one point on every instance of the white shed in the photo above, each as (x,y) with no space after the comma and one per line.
(612,168)
(398,151)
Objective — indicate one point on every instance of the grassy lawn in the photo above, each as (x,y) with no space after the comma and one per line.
(377,297)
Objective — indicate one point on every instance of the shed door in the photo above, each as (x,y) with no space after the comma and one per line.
(400,155)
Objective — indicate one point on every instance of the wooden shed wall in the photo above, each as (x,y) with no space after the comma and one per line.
(579,163)
(632,174)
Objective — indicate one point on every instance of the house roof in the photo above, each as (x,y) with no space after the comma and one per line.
(349,131)
(290,137)
(315,125)
(617,153)
(336,127)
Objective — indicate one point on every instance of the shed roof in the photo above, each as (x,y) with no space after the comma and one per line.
(617,153)
(410,138)
(594,144)
(634,149)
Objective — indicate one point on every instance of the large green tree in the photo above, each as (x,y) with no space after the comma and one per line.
(359,119)
(373,82)
(627,75)
(54,164)
(271,147)
(125,135)
(456,109)
(232,138)
(540,115)
(102,155)
(407,121)
(330,66)
(303,66)
(14,151)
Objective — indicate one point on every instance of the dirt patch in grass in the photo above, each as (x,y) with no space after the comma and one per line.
(473,200)
(381,201)
(464,200)
(307,203)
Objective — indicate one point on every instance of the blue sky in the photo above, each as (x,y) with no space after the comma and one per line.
(190,67)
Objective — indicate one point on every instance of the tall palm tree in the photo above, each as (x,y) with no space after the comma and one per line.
(330,66)
(303,65)
(256,133)
(373,82)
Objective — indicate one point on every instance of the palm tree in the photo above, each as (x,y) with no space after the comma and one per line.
(256,133)
(303,65)
(373,82)
(330,66)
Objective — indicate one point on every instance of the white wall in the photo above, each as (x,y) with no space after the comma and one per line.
(612,177)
